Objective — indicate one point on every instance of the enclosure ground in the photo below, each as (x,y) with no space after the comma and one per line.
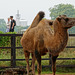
(58,74)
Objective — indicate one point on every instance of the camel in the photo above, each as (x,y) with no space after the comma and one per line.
(35,22)
(39,40)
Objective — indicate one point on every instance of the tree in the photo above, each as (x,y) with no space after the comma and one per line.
(19,28)
(2,25)
(66,9)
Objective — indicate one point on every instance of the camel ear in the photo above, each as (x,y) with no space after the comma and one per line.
(64,15)
(59,15)
(50,23)
(59,19)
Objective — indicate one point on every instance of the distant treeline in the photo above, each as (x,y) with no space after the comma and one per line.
(63,9)
(57,10)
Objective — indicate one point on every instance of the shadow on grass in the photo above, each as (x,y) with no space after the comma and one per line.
(58,70)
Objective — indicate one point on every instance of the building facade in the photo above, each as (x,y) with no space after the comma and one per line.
(19,21)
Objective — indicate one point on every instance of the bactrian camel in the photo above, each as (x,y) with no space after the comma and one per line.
(35,22)
(40,39)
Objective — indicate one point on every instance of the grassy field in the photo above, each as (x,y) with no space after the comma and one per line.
(67,53)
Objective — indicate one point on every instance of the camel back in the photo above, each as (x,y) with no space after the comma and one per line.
(36,20)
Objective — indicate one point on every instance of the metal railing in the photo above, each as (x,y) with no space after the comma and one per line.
(13,53)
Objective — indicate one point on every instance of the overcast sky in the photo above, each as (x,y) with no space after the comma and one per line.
(28,8)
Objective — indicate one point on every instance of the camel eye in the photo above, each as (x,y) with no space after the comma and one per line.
(59,19)
(66,19)
(59,15)
(50,23)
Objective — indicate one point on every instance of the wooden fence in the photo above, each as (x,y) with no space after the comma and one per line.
(13,53)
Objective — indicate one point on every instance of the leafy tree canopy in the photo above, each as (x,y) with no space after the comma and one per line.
(66,9)
(2,25)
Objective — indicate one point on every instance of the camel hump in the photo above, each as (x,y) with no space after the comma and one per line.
(37,19)
(41,15)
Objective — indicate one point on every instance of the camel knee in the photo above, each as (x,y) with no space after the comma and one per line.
(27,54)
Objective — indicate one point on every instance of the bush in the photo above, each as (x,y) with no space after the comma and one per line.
(5,40)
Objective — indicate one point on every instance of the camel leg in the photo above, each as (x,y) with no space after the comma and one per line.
(54,64)
(33,63)
(27,60)
(38,58)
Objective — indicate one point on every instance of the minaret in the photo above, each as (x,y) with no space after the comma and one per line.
(18,18)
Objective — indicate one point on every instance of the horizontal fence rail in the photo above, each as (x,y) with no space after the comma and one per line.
(13,53)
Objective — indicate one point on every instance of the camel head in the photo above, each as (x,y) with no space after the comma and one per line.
(66,22)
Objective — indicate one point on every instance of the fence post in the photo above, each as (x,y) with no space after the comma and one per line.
(50,61)
(13,51)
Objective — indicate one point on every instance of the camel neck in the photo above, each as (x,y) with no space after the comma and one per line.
(58,29)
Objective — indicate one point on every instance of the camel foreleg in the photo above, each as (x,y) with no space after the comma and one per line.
(54,64)
(38,58)
(33,63)
(27,54)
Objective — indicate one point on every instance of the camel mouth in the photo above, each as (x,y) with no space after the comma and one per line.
(72,23)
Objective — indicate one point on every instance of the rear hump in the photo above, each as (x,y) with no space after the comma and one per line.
(37,19)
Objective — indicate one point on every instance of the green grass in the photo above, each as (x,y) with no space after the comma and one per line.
(67,53)
(59,71)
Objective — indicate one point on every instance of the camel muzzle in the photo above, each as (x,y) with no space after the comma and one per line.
(71,23)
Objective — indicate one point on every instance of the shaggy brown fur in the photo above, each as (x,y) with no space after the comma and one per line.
(40,39)
(35,22)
